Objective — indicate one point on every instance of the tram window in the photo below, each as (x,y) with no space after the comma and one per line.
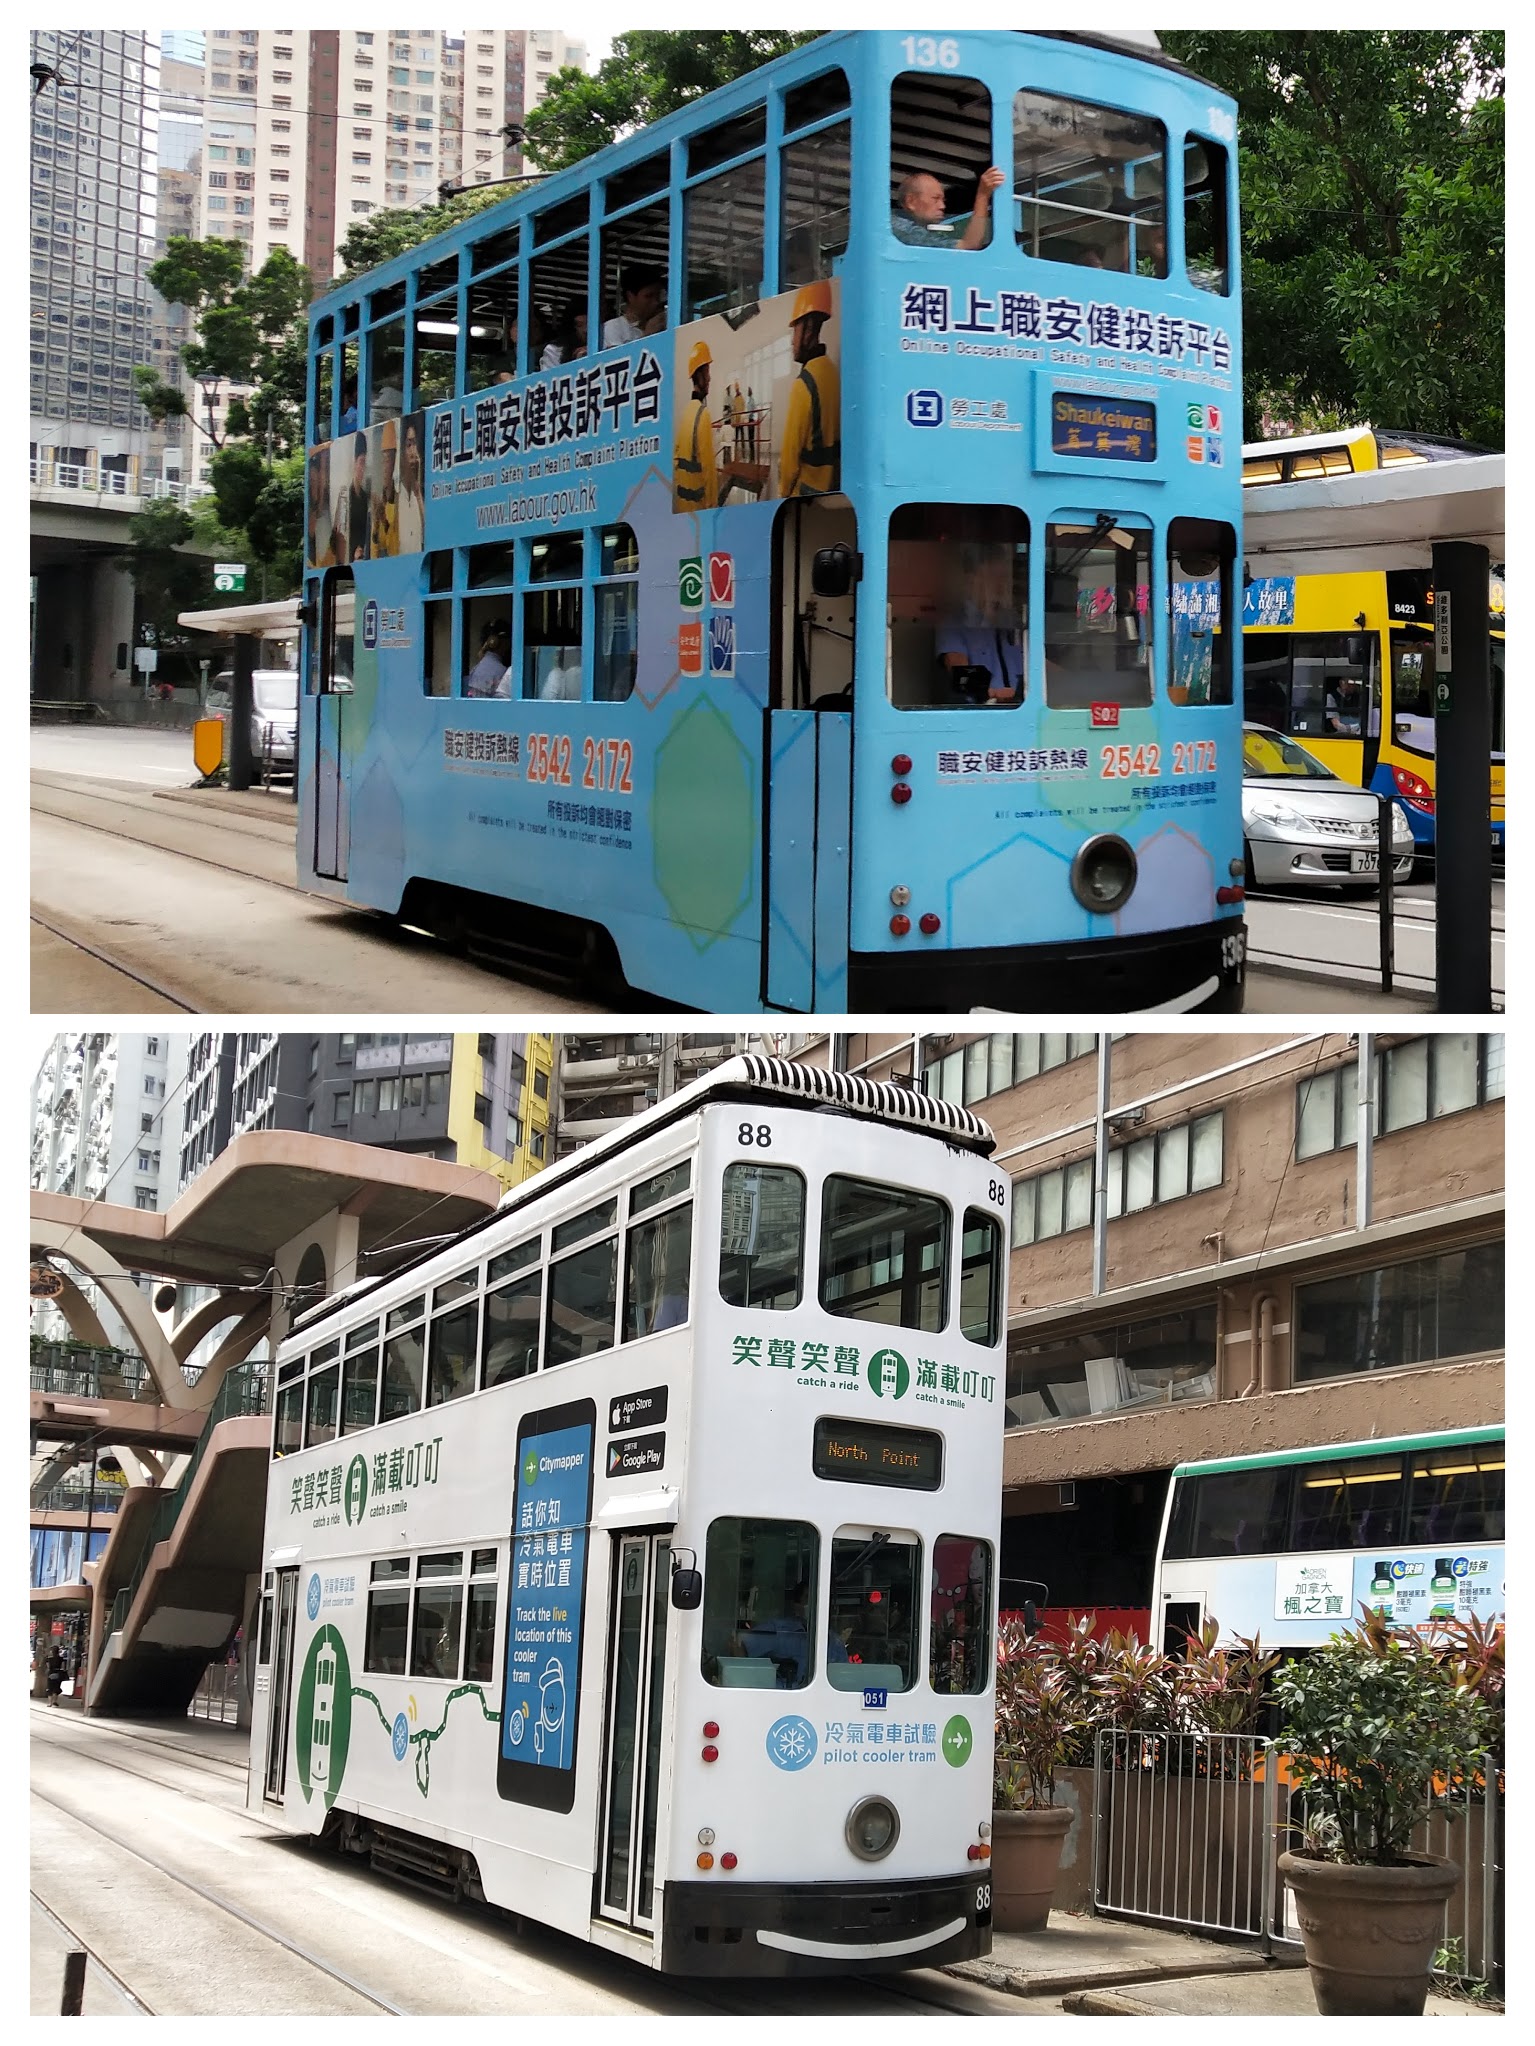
(404,1368)
(490,347)
(958,606)
(631,289)
(940,135)
(980,1278)
(509,1338)
(658,1259)
(959,1643)
(1347,1503)
(1090,184)
(324,373)
(437,650)
(288,1431)
(759,1601)
(815,100)
(617,599)
(493,567)
(551,644)
(1097,614)
(324,1396)
(884,1255)
(511,1261)
(491,251)
(723,241)
(815,186)
(264,1636)
(1456,1494)
(359,1382)
(349,421)
(485,649)
(437,1628)
(583,1303)
(664,1186)
(450,1372)
(436,352)
(579,1227)
(464,1287)
(762,1236)
(408,1310)
(480,1653)
(557,293)
(1206,240)
(874,1609)
(1200,557)
(386,371)
(388,1620)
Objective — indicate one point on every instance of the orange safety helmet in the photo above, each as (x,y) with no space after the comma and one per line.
(387,436)
(700,358)
(813,298)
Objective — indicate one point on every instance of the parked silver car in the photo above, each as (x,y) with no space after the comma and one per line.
(1303,825)
(274,713)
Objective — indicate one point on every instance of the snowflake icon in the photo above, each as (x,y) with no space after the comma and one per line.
(791,1742)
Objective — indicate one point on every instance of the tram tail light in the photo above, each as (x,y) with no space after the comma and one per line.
(711,1753)
(1412,788)
(706,1861)
(711,1730)
(901,793)
(978,1851)
(928,924)
(727,1861)
(901,764)
(900,925)
(1231,894)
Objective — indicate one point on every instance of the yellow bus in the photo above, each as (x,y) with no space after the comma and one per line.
(1344,663)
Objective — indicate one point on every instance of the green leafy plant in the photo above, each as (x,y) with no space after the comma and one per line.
(1377,1722)
(1035,1720)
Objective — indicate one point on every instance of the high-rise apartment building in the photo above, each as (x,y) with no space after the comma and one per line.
(506,71)
(106,1119)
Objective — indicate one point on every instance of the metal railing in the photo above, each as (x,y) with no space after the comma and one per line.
(217,1696)
(80,1499)
(87,1371)
(123,486)
(1188,1829)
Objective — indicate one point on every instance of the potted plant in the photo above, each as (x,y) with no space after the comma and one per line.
(1034,1721)
(1375,1722)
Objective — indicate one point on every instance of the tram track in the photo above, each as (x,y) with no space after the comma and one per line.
(172,996)
(74,1939)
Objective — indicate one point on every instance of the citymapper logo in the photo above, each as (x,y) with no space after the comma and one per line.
(530,1468)
(370,623)
(888,1374)
(791,1743)
(355,1499)
(312,1599)
(924,408)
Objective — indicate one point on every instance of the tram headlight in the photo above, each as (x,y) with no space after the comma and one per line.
(1103,874)
(872,1829)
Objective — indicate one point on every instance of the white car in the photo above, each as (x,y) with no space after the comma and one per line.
(274,713)
(1303,825)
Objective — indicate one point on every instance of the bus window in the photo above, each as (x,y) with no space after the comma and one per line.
(1206,241)
(583,1292)
(815,184)
(762,1236)
(1347,1503)
(631,288)
(1091,185)
(723,240)
(959,1643)
(557,287)
(958,606)
(388,1618)
(759,1602)
(1331,681)
(1230,1513)
(871,1637)
(940,145)
(617,617)
(980,1278)
(1097,614)
(490,349)
(359,1381)
(1456,1494)
(884,1255)
(1200,554)
(551,619)
(509,1340)
(438,1626)
(657,1260)
(455,1340)
(404,1370)
(386,371)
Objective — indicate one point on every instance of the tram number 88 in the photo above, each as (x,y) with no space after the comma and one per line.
(983,1903)
(760,1134)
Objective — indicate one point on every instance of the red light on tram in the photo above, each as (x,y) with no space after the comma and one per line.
(973,1851)
(711,1754)
(901,764)
(876,1598)
(711,1729)
(727,1861)
(929,923)
(900,925)
(1231,894)
(901,793)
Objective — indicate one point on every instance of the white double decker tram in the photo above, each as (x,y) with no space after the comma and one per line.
(631,1562)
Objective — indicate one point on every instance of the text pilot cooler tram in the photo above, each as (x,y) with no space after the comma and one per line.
(631,1562)
(677,652)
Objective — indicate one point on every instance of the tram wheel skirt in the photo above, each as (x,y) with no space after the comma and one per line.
(730,1928)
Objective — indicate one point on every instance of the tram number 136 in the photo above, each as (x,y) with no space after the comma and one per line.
(983,1903)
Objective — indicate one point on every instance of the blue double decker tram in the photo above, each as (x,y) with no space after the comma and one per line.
(788,557)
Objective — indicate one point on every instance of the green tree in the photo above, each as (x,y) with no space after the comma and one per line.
(651,72)
(168,579)
(379,236)
(250,331)
(1372,223)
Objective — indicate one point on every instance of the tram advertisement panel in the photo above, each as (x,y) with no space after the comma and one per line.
(546,1605)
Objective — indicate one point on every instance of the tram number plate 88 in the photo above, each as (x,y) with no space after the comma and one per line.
(983,1903)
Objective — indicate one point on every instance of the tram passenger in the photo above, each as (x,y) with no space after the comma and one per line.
(488,676)
(644,293)
(979,644)
(918,216)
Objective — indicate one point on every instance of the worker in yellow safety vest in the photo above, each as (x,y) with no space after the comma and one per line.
(810,460)
(695,481)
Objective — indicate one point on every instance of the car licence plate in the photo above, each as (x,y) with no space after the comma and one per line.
(1364,863)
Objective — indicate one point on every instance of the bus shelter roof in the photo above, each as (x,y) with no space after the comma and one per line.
(1376,518)
(276,620)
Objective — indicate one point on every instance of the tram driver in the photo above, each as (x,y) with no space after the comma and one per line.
(785,1637)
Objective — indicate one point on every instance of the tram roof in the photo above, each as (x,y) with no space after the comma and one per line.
(750,1076)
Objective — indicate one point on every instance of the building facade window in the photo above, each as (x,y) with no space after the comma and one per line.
(1416,1082)
(1165,1166)
(990,1065)
(1422,1310)
(1113,1369)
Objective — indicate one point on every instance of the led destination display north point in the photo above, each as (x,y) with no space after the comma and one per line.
(864,1453)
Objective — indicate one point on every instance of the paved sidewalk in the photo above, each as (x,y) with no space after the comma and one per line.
(1108,1967)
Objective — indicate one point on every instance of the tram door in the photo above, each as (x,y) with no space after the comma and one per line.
(634,1734)
(285,1604)
(808,750)
(333,689)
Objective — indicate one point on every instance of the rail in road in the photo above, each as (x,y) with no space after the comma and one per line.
(188,1905)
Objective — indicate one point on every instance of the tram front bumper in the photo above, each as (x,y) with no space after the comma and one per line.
(730,1928)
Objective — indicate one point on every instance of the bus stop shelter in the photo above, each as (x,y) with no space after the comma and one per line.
(250,626)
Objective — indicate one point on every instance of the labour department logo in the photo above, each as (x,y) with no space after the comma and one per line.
(312,1599)
(791,1742)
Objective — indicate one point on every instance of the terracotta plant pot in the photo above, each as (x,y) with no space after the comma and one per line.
(1025,1854)
(1370,1933)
